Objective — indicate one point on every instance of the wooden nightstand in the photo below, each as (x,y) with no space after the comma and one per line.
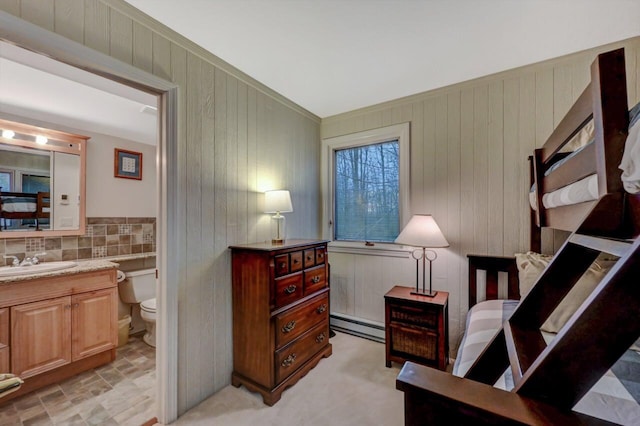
(416,328)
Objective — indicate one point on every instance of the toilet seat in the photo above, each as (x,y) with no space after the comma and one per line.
(148,306)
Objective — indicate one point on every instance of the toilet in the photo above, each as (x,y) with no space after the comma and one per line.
(138,288)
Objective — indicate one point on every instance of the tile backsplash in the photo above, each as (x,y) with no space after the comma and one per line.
(104,237)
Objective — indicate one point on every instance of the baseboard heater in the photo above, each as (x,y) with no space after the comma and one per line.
(358,327)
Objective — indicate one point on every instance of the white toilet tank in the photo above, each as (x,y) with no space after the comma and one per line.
(138,286)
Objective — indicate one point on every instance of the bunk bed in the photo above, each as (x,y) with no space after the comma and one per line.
(513,372)
(23,205)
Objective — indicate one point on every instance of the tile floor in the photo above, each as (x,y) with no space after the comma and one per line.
(120,393)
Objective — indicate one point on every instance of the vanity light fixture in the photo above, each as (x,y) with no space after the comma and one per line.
(8,134)
(277,202)
(41,140)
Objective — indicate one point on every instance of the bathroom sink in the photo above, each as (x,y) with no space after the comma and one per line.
(10,271)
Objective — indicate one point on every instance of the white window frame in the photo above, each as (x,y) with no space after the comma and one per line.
(400,132)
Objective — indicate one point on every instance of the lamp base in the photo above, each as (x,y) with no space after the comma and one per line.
(277,242)
(424,293)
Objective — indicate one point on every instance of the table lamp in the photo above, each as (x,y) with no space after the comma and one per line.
(423,231)
(278,201)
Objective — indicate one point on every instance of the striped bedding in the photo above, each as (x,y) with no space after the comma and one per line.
(615,397)
(586,189)
(19,204)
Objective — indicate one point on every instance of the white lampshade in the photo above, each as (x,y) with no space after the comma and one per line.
(277,201)
(422,231)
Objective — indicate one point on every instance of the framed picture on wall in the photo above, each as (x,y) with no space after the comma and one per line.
(127,164)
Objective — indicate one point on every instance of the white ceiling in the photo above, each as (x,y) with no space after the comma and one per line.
(332,56)
(42,89)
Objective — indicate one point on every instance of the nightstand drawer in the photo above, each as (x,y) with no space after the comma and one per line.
(298,320)
(291,357)
(288,289)
(413,342)
(420,316)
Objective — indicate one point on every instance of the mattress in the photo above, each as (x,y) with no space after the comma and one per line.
(586,189)
(615,397)
(18,204)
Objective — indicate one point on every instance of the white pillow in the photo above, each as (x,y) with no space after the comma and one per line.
(530,266)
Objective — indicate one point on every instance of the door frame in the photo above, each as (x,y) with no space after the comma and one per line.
(23,34)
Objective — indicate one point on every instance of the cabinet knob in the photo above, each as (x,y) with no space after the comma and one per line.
(320,338)
(288,360)
(290,289)
(288,327)
(322,308)
(315,279)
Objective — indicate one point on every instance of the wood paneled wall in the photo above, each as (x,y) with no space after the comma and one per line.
(469,148)
(236,139)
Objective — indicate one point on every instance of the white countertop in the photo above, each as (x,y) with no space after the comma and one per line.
(83,266)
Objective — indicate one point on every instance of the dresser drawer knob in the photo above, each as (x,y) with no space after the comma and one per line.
(290,289)
(288,360)
(322,308)
(283,265)
(321,337)
(315,279)
(288,327)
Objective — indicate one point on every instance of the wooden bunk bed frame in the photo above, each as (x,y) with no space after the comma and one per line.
(42,201)
(550,379)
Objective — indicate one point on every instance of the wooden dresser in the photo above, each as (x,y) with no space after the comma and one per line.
(280,314)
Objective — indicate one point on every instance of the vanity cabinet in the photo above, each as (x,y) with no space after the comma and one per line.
(280,314)
(55,327)
(54,332)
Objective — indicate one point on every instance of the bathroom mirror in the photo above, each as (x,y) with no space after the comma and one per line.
(42,181)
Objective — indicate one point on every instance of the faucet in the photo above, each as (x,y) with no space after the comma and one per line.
(29,261)
(36,258)
(15,261)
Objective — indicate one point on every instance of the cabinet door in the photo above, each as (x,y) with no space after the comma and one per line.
(4,340)
(94,322)
(40,336)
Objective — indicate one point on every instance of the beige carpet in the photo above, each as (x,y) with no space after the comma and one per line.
(351,387)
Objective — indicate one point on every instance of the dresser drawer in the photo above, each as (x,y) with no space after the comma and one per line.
(295,261)
(320,255)
(293,356)
(281,264)
(296,321)
(288,289)
(309,258)
(315,279)
(420,316)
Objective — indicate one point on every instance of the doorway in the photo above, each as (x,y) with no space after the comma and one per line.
(28,36)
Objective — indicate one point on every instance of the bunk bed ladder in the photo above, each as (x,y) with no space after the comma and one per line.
(595,337)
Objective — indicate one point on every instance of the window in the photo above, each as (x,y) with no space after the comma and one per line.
(366,192)
(6,178)
(365,185)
